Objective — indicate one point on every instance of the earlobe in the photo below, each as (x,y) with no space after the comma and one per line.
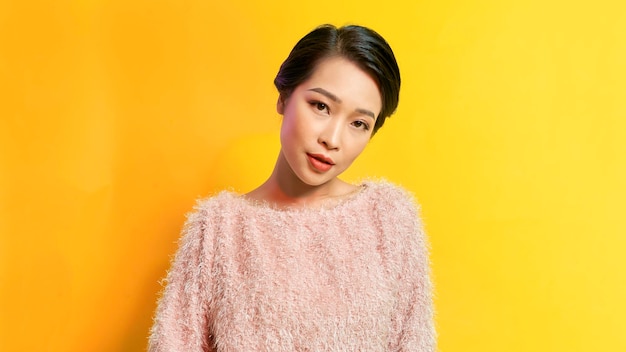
(280,105)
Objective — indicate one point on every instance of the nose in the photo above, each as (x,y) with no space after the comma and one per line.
(330,136)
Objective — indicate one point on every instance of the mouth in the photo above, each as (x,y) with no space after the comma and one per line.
(322,158)
(320,162)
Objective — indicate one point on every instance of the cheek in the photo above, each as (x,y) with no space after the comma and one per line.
(287,130)
(290,133)
(292,127)
(361,147)
(285,136)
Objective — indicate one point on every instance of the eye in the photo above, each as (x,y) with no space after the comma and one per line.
(319,106)
(361,124)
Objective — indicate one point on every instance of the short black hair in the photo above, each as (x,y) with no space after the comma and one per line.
(360,45)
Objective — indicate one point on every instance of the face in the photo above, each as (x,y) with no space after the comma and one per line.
(328,120)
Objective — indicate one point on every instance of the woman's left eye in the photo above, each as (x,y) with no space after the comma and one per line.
(361,124)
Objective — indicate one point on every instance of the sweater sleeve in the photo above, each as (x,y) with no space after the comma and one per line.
(181,320)
(416,331)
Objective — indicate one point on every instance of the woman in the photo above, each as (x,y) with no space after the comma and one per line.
(308,262)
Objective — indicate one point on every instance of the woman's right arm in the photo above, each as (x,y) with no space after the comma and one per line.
(181,320)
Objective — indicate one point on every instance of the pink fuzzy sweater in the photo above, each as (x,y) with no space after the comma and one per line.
(248,277)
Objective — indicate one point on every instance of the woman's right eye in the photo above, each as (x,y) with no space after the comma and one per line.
(319,106)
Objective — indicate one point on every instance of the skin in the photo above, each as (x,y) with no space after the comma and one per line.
(330,114)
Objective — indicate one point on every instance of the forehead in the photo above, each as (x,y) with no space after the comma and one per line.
(347,81)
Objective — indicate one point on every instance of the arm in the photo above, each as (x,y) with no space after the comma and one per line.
(413,326)
(417,331)
(181,323)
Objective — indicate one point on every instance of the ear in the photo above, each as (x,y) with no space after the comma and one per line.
(280,105)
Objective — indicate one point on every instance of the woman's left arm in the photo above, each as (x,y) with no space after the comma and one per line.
(416,316)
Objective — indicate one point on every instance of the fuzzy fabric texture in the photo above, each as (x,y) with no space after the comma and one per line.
(249,277)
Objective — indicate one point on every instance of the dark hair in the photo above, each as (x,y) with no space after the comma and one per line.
(360,45)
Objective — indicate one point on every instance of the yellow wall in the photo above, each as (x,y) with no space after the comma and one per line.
(116,115)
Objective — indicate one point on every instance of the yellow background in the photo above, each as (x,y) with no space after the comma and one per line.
(116,115)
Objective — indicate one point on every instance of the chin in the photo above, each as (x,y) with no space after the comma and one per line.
(316,181)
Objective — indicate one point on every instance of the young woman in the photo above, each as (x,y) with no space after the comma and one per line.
(308,262)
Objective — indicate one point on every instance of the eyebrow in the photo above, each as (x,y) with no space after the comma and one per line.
(336,99)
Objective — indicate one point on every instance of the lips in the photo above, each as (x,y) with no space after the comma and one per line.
(320,162)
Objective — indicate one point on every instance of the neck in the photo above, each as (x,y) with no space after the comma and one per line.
(284,188)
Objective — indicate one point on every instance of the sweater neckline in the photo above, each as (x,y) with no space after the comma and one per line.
(336,204)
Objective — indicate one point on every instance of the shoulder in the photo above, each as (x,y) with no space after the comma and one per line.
(215,206)
(398,214)
(391,198)
(208,213)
